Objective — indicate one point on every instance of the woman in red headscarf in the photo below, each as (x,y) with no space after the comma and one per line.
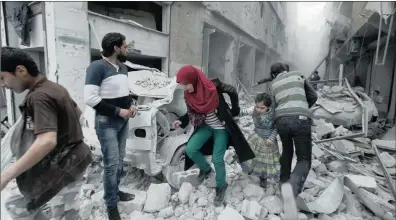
(215,128)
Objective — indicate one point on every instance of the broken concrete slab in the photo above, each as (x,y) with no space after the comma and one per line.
(251,209)
(317,152)
(253,192)
(327,202)
(344,146)
(230,214)
(324,129)
(185,191)
(337,166)
(158,196)
(389,161)
(273,204)
(387,145)
(366,182)
(190,176)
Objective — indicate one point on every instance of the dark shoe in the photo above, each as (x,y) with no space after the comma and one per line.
(220,194)
(204,174)
(113,214)
(263,183)
(123,196)
(289,202)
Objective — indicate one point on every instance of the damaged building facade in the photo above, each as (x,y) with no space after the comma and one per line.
(362,49)
(234,41)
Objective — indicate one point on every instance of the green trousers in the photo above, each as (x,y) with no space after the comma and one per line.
(199,138)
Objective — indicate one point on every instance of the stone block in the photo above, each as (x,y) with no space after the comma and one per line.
(190,176)
(251,209)
(389,160)
(158,197)
(344,146)
(324,129)
(185,191)
(317,152)
(230,214)
(366,182)
(337,166)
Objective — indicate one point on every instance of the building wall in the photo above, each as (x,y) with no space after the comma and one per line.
(248,23)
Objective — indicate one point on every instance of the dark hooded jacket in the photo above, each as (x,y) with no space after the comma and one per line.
(225,115)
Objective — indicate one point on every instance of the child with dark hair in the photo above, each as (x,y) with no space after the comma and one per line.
(263,141)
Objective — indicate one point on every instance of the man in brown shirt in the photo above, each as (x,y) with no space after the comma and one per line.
(49,147)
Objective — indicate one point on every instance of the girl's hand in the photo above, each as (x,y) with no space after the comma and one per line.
(268,142)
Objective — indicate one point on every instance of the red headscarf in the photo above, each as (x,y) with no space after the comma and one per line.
(204,99)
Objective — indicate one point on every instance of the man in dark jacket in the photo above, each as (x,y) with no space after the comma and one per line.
(293,96)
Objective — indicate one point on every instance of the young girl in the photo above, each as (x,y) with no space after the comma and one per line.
(263,142)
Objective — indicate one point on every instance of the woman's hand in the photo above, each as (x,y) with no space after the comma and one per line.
(176,124)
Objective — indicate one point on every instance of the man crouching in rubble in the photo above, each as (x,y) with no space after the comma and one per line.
(107,91)
(47,141)
(293,96)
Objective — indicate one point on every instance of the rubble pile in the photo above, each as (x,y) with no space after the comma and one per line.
(346,182)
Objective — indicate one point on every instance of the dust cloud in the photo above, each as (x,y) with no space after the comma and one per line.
(312,37)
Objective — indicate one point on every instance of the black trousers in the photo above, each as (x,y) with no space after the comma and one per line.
(295,129)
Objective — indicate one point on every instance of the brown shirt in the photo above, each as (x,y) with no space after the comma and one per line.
(48,107)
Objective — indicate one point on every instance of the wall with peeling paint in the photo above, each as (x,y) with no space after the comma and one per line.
(69,54)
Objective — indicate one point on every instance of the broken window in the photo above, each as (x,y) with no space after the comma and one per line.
(145,14)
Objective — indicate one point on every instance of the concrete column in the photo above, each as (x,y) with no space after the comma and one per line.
(67,47)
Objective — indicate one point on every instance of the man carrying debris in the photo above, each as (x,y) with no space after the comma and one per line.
(47,141)
(106,90)
(293,96)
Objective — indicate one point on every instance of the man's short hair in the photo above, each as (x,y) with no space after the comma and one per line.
(287,67)
(277,68)
(316,72)
(109,41)
(265,98)
(13,57)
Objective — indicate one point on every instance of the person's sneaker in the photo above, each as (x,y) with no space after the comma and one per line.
(220,195)
(289,202)
(123,196)
(204,174)
(113,214)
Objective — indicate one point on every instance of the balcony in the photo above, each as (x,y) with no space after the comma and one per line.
(141,40)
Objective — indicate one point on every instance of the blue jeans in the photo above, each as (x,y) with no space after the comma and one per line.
(112,133)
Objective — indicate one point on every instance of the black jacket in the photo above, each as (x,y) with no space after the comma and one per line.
(225,115)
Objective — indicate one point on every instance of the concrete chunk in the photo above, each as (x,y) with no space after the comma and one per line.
(253,192)
(317,152)
(389,161)
(366,182)
(185,191)
(337,166)
(344,146)
(324,129)
(273,204)
(158,196)
(251,209)
(190,176)
(230,214)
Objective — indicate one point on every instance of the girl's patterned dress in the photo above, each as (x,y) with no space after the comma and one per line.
(266,163)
